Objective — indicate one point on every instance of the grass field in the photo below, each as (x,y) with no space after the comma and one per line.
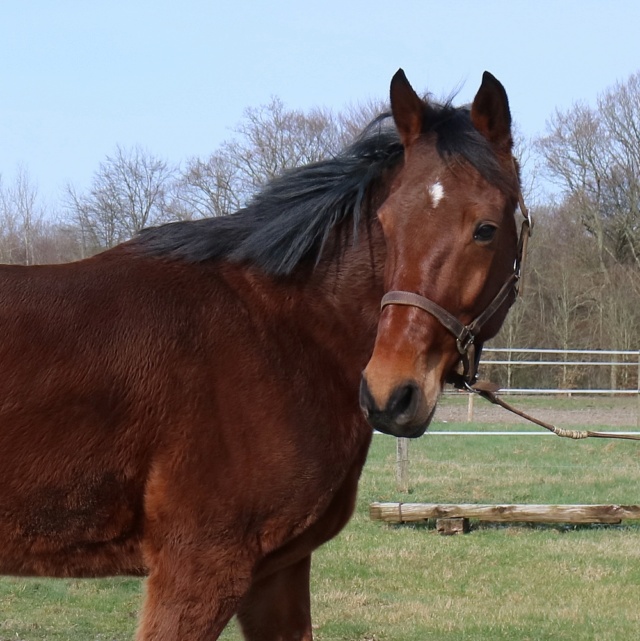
(378,582)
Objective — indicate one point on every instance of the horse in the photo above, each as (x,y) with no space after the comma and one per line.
(196,404)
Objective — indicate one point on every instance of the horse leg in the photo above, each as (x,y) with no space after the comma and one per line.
(277,607)
(191,598)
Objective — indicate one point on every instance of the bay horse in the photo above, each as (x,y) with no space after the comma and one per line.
(192,405)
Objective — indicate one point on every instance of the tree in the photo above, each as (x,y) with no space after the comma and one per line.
(271,139)
(129,191)
(268,140)
(207,188)
(593,154)
(21,220)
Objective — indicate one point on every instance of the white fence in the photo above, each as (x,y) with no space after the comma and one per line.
(525,357)
(613,359)
(517,357)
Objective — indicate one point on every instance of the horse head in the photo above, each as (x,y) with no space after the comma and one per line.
(452,252)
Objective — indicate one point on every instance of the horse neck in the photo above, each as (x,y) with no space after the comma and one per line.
(344,291)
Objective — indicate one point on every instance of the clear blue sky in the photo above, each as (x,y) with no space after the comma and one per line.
(79,77)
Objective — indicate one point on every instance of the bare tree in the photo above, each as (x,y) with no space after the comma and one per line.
(128,192)
(594,156)
(268,140)
(21,220)
(271,139)
(620,108)
(207,188)
(354,118)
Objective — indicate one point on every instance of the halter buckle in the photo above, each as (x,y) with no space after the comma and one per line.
(464,341)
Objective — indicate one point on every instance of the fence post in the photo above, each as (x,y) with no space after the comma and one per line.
(470,407)
(402,466)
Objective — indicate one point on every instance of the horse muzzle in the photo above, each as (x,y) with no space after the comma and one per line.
(406,412)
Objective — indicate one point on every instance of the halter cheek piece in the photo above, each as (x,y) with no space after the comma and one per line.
(466,335)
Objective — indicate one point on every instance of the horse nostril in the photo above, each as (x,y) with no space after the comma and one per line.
(403,403)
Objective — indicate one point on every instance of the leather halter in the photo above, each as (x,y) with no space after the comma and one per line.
(466,334)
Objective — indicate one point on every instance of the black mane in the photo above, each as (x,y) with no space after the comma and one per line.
(291,218)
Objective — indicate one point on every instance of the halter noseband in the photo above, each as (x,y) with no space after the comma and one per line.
(466,334)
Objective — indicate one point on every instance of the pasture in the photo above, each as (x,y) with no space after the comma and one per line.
(377,582)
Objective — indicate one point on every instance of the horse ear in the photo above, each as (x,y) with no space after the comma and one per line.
(407,109)
(490,113)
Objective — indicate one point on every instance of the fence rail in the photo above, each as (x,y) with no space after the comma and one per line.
(627,361)
(402,446)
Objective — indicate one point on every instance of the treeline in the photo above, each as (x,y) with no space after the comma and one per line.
(133,189)
(582,287)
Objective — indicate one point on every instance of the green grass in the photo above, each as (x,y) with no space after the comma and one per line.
(61,610)
(512,469)
(379,582)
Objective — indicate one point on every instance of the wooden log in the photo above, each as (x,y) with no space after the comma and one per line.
(411,512)
(447,527)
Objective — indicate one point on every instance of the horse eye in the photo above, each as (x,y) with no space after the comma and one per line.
(484,232)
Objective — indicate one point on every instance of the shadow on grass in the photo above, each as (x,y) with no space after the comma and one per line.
(478,526)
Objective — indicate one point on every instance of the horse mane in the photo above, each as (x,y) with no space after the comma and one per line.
(291,218)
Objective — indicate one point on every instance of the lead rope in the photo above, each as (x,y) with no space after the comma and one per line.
(487,390)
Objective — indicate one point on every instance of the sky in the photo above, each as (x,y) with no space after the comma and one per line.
(80,77)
